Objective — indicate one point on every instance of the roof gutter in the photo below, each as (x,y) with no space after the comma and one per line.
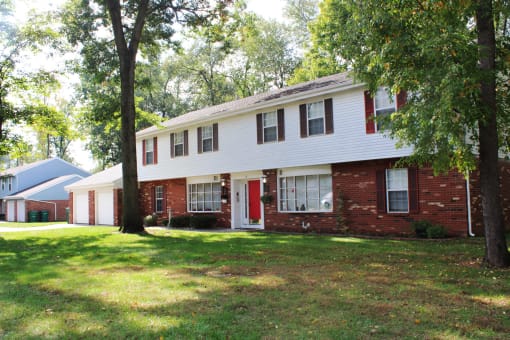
(250,108)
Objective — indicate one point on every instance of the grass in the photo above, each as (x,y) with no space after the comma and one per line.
(97,283)
(28,224)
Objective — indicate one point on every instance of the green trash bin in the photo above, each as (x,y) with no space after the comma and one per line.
(45,215)
(67,214)
(33,216)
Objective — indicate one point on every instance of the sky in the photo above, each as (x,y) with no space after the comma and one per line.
(270,9)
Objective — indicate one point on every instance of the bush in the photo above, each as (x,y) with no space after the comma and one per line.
(180,221)
(150,220)
(426,229)
(165,222)
(203,221)
(436,231)
(420,227)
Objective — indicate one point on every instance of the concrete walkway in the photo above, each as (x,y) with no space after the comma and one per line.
(46,227)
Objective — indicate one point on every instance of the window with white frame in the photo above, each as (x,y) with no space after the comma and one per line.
(315,115)
(4,180)
(305,193)
(270,126)
(397,193)
(149,151)
(158,198)
(179,144)
(384,104)
(204,197)
(207,138)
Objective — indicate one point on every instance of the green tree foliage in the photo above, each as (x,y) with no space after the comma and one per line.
(135,26)
(443,54)
(16,81)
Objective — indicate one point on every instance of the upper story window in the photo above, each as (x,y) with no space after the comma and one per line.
(179,144)
(316,118)
(150,151)
(271,126)
(310,193)
(9,183)
(315,112)
(207,138)
(384,104)
(4,180)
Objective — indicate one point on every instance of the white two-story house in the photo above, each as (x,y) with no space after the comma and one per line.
(308,157)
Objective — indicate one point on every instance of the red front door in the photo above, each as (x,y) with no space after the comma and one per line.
(254,201)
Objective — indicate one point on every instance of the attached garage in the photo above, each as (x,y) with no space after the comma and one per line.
(11,211)
(104,207)
(96,199)
(81,208)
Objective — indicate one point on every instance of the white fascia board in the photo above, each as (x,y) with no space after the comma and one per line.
(250,108)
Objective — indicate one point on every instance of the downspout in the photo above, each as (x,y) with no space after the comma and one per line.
(468,194)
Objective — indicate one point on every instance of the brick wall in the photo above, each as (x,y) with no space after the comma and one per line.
(71,207)
(442,199)
(176,200)
(92,207)
(476,198)
(50,207)
(117,207)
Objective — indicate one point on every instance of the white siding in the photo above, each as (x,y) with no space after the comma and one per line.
(239,151)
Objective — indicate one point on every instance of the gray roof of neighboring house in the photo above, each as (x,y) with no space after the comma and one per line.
(22,168)
(110,176)
(43,186)
(265,99)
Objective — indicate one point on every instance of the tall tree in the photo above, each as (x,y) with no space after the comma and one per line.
(444,55)
(145,24)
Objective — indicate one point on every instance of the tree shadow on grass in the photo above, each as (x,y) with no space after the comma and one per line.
(242,286)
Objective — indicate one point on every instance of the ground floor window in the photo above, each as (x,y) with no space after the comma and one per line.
(305,193)
(159,197)
(397,190)
(204,197)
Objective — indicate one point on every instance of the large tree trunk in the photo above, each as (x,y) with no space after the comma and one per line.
(496,251)
(131,218)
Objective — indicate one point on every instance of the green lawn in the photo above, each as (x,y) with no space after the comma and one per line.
(97,283)
(27,224)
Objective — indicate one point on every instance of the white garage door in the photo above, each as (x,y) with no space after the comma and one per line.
(10,211)
(21,211)
(81,208)
(104,207)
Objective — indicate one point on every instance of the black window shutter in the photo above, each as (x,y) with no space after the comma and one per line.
(328,115)
(414,203)
(380,183)
(281,124)
(185,142)
(199,140)
(215,136)
(172,145)
(259,129)
(303,121)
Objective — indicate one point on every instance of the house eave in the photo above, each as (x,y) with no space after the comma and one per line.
(150,132)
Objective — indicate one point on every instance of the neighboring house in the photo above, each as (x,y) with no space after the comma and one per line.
(314,152)
(21,178)
(49,196)
(97,199)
